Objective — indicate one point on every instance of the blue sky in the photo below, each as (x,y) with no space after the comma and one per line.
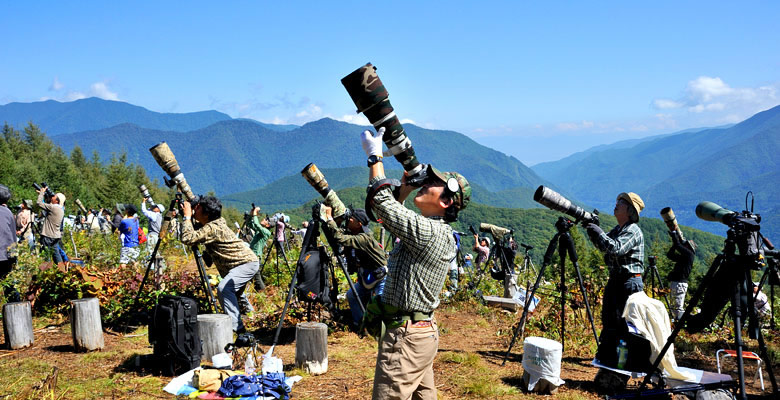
(536,80)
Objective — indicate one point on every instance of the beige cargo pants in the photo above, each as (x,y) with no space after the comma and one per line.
(404,364)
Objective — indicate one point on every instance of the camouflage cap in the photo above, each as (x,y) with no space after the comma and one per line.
(462,194)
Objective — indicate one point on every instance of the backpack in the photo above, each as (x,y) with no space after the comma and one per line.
(173,332)
(141,236)
(313,277)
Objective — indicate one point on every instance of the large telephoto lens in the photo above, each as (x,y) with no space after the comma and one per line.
(671,221)
(166,160)
(496,231)
(316,179)
(554,201)
(81,207)
(371,98)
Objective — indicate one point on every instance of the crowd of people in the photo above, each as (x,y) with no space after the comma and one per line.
(400,290)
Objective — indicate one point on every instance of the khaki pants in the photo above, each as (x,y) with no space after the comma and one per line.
(404,364)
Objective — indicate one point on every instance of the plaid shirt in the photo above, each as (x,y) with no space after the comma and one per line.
(419,264)
(624,249)
(227,250)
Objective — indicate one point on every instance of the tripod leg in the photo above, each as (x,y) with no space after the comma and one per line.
(705,282)
(204,278)
(660,283)
(143,281)
(587,303)
(736,299)
(564,291)
(529,296)
(290,293)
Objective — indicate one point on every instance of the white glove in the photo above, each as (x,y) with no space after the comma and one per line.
(372,144)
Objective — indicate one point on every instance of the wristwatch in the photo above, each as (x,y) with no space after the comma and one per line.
(373,159)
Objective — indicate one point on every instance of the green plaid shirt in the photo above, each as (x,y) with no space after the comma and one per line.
(418,265)
(624,248)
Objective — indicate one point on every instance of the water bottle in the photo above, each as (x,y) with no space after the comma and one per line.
(622,352)
(249,364)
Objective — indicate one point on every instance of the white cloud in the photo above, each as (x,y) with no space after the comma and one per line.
(573,126)
(56,85)
(408,121)
(357,119)
(665,104)
(100,89)
(97,89)
(710,97)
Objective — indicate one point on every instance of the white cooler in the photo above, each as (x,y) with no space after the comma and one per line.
(542,362)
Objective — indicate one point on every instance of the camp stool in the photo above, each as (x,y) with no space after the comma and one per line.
(746,355)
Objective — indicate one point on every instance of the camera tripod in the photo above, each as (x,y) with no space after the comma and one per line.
(727,267)
(278,246)
(653,279)
(771,277)
(565,244)
(498,256)
(204,279)
(310,243)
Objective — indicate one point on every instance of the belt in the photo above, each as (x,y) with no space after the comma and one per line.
(415,316)
(422,324)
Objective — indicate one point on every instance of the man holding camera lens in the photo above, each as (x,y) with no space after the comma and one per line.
(683,254)
(624,254)
(155,218)
(417,269)
(262,234)
(51,232)
(235,261)
(364,256)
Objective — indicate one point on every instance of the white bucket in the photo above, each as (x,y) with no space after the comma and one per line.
(542,360)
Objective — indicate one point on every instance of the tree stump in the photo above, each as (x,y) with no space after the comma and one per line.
(216,330)
(85,324)
(17,325)
(311,347)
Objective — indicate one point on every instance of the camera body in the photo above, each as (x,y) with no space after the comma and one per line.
(47,194)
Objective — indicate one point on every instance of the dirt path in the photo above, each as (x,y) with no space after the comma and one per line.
(468,365)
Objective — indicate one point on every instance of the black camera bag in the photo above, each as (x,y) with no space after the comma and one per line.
(313,277)
(173,332)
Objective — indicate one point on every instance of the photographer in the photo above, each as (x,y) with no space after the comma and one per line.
(364,255)
(262,234)
(51,233)
(624,254)
(482,247)
(155,218)
(128,230)
(417,269)
(683,254)
(7,234)
(236,262)
(279,236)
(24,224)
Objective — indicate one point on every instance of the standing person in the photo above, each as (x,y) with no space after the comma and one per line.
(624,254)
(235,261)
(51,232)
(262,234)
(417,269)
(683,254)
(24,224)
(364,256)
(7,234)
(128,229)
(280,239)
(155,218)
(482,247)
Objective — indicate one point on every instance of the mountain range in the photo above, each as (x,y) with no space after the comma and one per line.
(247,161)
(227,155)
(681,170)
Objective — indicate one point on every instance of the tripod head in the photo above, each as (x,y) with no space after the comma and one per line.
(564,225)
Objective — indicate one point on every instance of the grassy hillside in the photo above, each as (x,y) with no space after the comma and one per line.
(238,155)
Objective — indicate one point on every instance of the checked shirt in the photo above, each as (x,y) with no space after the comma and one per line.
(418,265)
(624,248)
